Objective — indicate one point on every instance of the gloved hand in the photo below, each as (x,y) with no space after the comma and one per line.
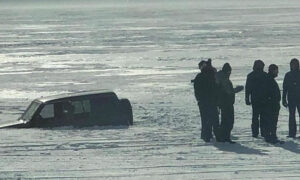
(248,101)
(284,103)
(238,89)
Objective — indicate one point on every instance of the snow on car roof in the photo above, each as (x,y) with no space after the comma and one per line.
(75,94)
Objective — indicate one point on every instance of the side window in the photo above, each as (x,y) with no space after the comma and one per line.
(86,106)
(78,108)
(47,111)
(81,106)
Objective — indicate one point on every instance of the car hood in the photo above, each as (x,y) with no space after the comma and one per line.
(17,124)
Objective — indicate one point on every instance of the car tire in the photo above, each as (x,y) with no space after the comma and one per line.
(126,111)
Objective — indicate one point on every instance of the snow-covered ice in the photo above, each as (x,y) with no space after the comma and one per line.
(147,52)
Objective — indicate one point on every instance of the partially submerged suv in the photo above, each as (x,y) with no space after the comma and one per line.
(76,109)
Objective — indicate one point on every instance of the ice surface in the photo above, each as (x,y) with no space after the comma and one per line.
(147,52)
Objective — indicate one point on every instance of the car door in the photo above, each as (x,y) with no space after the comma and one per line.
(45,117)
(54,114)
(81,112)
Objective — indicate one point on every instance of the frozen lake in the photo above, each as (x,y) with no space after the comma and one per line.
(147,52)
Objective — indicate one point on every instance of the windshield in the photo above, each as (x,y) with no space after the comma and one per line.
(30,111)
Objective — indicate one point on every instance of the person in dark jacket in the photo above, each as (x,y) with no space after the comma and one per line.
(205,91)
(256,90)
(291,95)
(273,105)
(226,101)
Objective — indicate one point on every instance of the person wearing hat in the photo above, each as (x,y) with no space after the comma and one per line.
(202,64)
(226,100)
(256,90)
(291,94)
(205,89)
(273,105)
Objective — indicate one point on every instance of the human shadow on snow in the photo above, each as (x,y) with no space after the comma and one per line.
(238,148)
(290,146)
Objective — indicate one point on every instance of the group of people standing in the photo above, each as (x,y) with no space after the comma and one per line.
(215,93)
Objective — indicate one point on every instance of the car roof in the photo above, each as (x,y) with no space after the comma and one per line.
(60,97)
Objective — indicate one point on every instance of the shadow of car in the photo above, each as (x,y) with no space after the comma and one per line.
(92,108)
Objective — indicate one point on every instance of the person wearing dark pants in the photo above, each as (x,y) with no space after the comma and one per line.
(206,95)
(225,101)
(258,108)
(227,121)
(256,91)
(272,114)
(291,95)
(273,105)
(209,120)
(292,119)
